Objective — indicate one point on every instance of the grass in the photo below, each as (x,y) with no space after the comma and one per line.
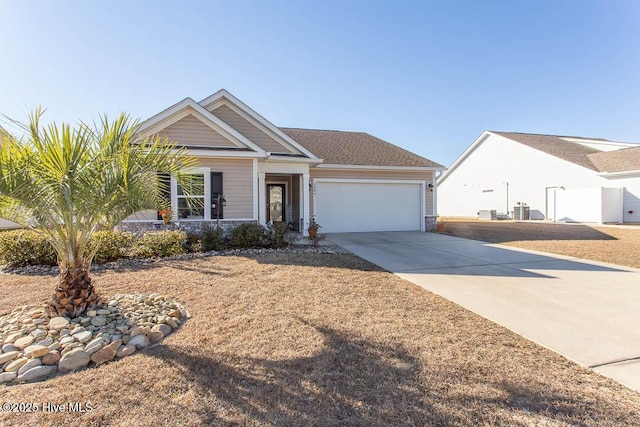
(617,245)
(316,339)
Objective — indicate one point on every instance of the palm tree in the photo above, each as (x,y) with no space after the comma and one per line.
(66,183)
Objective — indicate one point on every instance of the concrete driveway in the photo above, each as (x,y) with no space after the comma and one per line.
(587,311)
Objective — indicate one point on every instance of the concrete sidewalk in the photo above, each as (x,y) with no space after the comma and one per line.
(587,311)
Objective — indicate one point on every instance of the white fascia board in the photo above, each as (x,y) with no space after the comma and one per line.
(286,159)
(255,116)
(372,181)
(384,168)
(619,174)
(148,127)
(486,134)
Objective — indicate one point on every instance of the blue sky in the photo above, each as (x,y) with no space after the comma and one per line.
(427,76)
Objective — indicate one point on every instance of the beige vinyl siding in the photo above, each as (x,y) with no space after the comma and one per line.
(237,185)
(191,131)
(250,131)
(373,174)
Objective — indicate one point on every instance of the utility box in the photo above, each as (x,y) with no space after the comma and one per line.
(521,213)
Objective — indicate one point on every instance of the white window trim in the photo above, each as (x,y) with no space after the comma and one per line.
(207,194)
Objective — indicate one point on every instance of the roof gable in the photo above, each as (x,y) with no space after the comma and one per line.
(223,97)
(187,107)
(251,131)
(356,148)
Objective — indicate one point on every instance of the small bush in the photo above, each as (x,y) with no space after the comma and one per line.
(193,243)
(19,248)
(276,235)
(247,236)
(212,239)
(112,245)
(162,244)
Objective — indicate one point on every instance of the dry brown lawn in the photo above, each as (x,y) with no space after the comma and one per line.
(617,245)
(316,339)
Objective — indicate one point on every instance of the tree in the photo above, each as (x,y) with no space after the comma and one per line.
(67,183)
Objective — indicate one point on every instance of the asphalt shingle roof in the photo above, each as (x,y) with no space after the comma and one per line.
(626,159)
(355,148)
(557,146)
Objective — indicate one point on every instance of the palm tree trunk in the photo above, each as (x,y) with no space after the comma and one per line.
(75,294)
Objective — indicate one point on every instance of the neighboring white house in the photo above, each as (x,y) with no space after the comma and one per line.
(560,178)
(5,224)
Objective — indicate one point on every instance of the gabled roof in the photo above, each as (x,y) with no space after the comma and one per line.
(356,148)
(575,149)
(164,118)
(627,159)
(557,146)
(257,119)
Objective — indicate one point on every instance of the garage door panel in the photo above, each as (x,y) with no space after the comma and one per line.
(350,206)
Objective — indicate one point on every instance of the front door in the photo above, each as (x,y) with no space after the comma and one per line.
(276,202)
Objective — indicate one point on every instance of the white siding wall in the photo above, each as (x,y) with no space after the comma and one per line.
(630,195)
(499,160)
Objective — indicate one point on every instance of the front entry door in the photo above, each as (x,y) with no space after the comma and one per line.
(276,202)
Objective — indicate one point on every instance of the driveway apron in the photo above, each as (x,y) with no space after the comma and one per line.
(585,310)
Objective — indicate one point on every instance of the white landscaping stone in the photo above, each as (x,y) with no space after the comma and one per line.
(98,321)
(36,373)
(94,345)
(15,365)
(58,323)
(31,363)
(139,341)
(165,329)
(83,336)
(126,350)
(7,377)
(75,359)
(23,342)
(67,340)
(10,355)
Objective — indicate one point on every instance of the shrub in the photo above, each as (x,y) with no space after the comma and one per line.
(193,242)
(19,248)
(212,239)
(276,235)
(247,236)
(162,244)
(112,245)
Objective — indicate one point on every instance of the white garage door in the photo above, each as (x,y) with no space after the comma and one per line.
(349,206)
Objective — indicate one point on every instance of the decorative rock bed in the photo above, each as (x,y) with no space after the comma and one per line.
(36,346)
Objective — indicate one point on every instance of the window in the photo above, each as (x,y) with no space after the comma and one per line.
(190,199)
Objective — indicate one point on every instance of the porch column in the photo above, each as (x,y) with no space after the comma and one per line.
(435,195)
(262,199)
(305,203)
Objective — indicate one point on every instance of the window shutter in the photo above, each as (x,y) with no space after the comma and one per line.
(216,189)
(164,182)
